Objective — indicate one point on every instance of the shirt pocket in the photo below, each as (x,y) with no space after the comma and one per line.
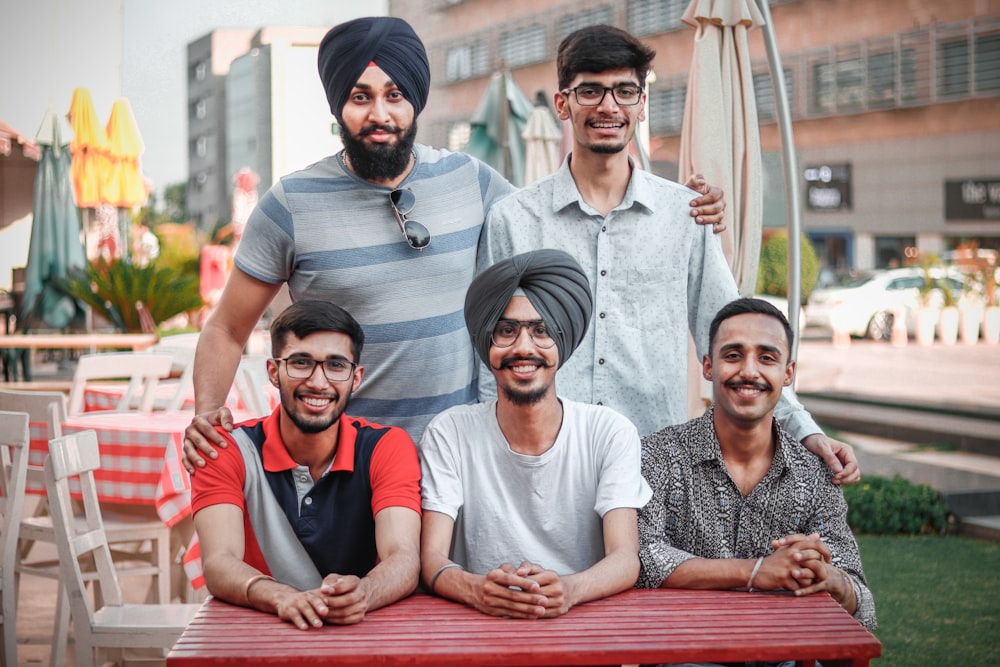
(655,297)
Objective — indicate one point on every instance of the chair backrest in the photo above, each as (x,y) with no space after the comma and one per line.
(43,407)
(143,370)
(76,456)
(14,440)
(182,367)
(251,384)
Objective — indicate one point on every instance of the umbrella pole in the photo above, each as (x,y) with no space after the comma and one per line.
(792,199)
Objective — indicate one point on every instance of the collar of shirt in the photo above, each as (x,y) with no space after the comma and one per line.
(706,447)
(275,455)
(565,193)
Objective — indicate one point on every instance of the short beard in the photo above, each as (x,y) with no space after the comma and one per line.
(606,149)
(524,397)
(378,162)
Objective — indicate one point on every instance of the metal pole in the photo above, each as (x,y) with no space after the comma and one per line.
(792,200)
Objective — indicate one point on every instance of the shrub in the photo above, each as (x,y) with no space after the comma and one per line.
(880,506)
(772,275)
(113,288)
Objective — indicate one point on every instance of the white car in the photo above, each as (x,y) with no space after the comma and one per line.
(867,306)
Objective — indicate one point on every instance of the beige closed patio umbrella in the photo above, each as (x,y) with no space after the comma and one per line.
(720,137)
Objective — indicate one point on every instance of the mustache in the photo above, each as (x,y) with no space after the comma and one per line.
(762,386)
(374,127)
(507,362)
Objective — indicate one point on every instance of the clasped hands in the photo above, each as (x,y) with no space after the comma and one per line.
(526,591)
(802,564)
(340,600)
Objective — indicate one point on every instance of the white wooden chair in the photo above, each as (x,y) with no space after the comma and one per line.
(143,370)
(14,441)
(251,384)
(126,533)
(115,624)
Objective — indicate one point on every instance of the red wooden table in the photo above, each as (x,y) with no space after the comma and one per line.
(637,626)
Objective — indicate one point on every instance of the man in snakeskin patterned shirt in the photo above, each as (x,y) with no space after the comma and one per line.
(736,502)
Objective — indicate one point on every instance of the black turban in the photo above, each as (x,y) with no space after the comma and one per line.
(554,284)
(390,42)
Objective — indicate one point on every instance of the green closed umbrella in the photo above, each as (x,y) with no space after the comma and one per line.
(55,248)
(497,126)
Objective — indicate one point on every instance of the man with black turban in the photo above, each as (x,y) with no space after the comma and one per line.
(388,229)
(530,500)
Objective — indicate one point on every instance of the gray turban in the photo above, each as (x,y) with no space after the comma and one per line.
(390,43)
(554,284)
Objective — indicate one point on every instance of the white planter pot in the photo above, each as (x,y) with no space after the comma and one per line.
(972,322)
(948,325)
(927,319)
(991,325)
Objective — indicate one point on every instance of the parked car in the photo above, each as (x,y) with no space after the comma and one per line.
(867,306)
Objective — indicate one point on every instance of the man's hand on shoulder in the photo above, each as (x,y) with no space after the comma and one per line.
(839,456)
(710,207)
(508,591)
(200,437)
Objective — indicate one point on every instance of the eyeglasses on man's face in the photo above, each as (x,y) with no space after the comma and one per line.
(590,95)
(505,333)
(403,201)
(302,368)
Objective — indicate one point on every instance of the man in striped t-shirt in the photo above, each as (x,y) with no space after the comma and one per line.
(388,229)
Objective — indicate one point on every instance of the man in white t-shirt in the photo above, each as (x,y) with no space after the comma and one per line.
(530,501)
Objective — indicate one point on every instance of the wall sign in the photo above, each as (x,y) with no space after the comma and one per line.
(828,187)
(972,199)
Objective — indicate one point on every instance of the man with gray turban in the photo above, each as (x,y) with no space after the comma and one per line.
(387,228)
(530,501)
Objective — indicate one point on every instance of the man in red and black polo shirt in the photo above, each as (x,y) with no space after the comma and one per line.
(311,514)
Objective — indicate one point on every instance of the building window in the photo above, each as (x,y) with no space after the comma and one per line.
(650,17)
(573,22)
(524,46)
(467,61)
(458,136)
(666,109)
(767,108)
(839,86)
(987,65)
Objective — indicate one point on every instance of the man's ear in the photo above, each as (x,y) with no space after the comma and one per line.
(561,105)
(706,367)
(272,371)
(789,374)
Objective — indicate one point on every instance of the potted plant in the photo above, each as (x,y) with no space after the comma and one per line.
(948,317)
(970,305)
(991,313)
(927,312)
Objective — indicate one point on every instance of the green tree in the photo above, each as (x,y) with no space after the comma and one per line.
(772,275)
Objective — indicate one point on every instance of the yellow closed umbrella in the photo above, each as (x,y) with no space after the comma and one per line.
(89,150)
(125,185)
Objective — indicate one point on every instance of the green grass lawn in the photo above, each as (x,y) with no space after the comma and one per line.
(937,599)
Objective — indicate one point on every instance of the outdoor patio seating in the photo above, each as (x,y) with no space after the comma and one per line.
(143,370)
(13,468)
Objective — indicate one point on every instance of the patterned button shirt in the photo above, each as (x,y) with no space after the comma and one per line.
(698,511)
(656,275)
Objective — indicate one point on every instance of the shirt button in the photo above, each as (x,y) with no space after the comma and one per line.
(603,315)
(604,273)
(308,501)
(600,361)
(604,228)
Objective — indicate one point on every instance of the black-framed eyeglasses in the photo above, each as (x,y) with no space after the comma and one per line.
(505,333)
(590,95)
(403,200)
(302,368)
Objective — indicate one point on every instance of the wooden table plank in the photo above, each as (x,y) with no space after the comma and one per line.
(632,627)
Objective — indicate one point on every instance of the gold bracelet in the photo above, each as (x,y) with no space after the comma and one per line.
(250,582)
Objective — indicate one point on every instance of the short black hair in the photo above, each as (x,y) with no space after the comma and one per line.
(310,316)
(598,48)
(743,306)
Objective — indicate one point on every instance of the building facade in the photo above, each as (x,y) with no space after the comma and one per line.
(895,105)
(259,106)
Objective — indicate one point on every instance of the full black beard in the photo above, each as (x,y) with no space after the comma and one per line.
(524,397)
(378,162)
